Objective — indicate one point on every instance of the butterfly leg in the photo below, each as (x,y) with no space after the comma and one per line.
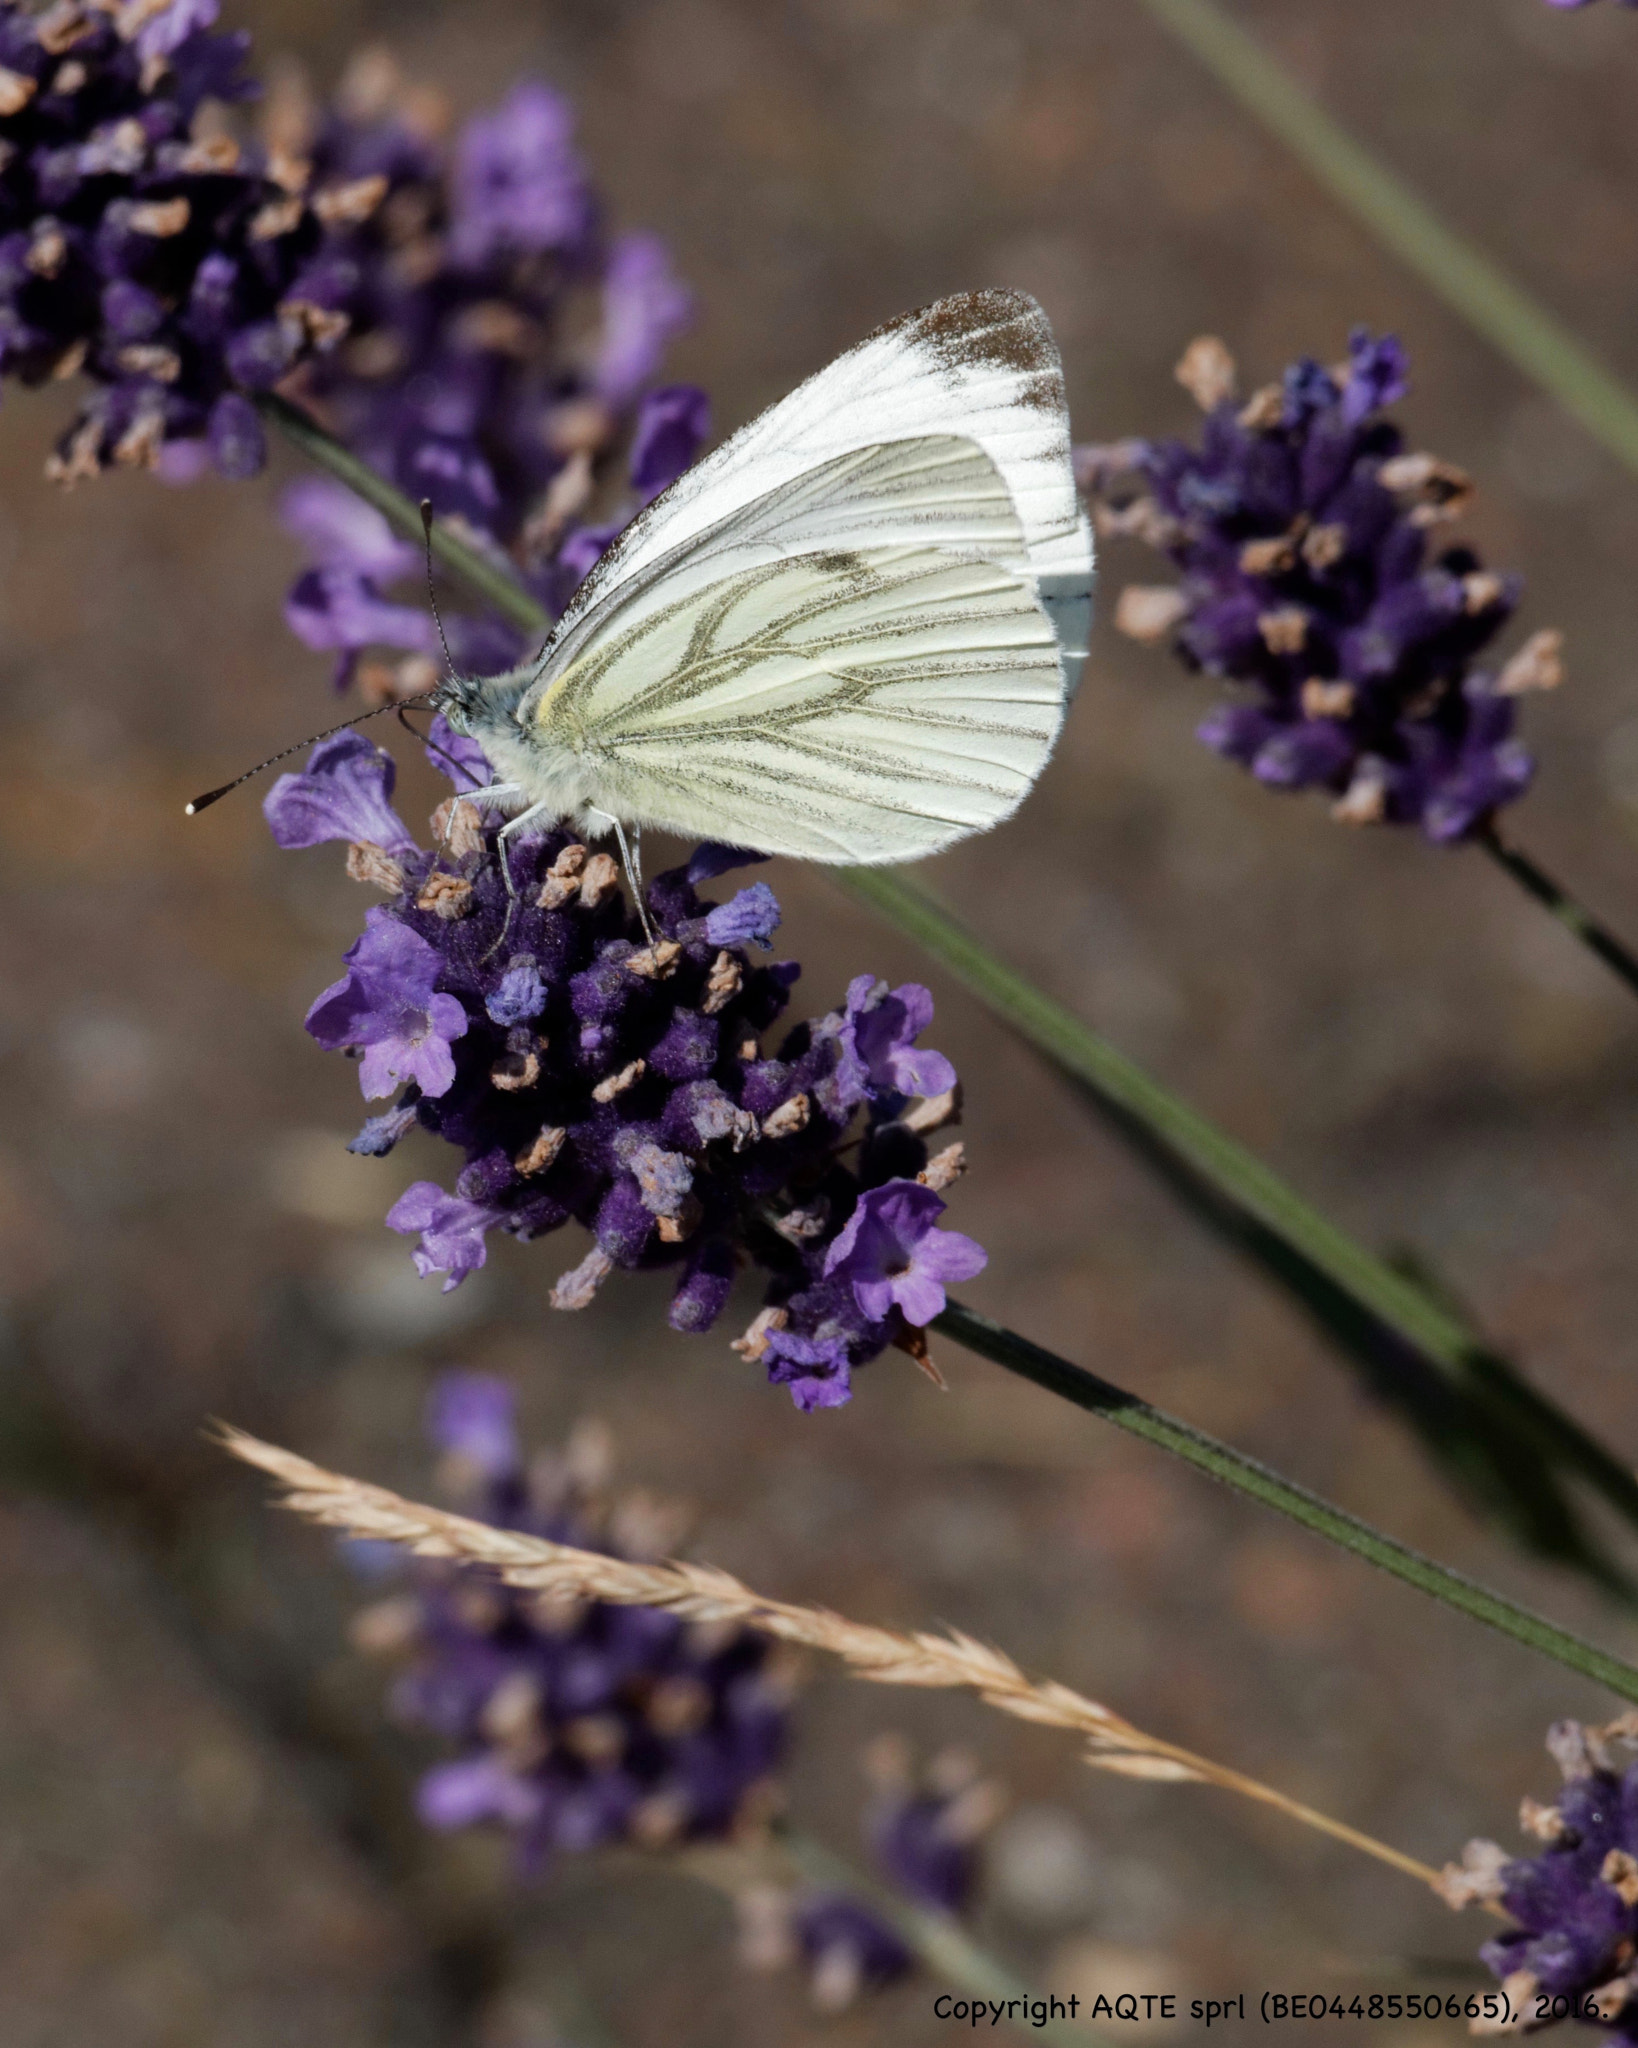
(633,868)
(489,793)
(503,853)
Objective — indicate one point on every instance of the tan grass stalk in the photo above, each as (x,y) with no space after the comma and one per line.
(702,1593)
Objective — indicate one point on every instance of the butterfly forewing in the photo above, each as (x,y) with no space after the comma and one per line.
(983,363)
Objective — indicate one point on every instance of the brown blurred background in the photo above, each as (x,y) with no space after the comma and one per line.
(204,1830)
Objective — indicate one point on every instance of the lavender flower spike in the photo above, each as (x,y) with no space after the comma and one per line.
(895,1257)
(387,1005)
(579,1726)
(1301,527)
(1575,1905)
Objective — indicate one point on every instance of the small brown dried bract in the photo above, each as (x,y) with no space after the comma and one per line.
(578,1287)
(368,863)
(1442,490)
(1481,589)
(289,171)
(1263,410)
(47,249)
(789,1118)
(1608,2000)
(602,878)
(71,361)
(138,447)
(656,962)
(945,1168)
(350,205)
(1546,1823)
(617,1084)
(755,1340)
(16,90)
(494,325)
(1620,1871)
(1207,372)
(680,1226)
(277,218)
(1538,665)
(1275,556)
(81,458)
(1323,699)
(801,1226)
(61,27)
(722,984)
(211,155)
(1284,630)
(388,1627)
(933,1112)
(1141,520)
(515,1070)
(457,827)
(149,359)
(580,426)
(1149,611)
(542,1151)
(1365,800)
(160,218)
(323,326)
(1520,1989)
(1477,1876)
(446,896)
(563,879)
(913,1343)
(1324,546)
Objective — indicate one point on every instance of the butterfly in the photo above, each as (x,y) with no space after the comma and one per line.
(848,634)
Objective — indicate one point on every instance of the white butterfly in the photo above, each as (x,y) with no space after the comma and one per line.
(848,634)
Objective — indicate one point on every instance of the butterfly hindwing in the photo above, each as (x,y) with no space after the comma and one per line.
(844,704)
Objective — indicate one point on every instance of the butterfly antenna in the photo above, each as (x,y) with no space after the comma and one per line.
(211,796)
(432,595)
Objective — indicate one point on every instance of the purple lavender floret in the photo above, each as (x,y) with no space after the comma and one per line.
(1574,1906)
(893,1255)
(1301,526)
(345,793)
(579,1725)
(587,1076)
(388,1007)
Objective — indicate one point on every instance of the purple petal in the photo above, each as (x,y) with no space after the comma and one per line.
(343,793)
(339,531)
(672,424)
(750,917)
(710,859)
(475,1414)
(330,608)
(518,183)
(644,305)
(452,1231)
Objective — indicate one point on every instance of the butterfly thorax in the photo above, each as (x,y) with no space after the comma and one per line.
(484,708)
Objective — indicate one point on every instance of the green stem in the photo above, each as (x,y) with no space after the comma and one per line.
(1292,1240)
(1535,881)
(1353,1294)
(494,580)
(1074,1383)
(1533,339)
